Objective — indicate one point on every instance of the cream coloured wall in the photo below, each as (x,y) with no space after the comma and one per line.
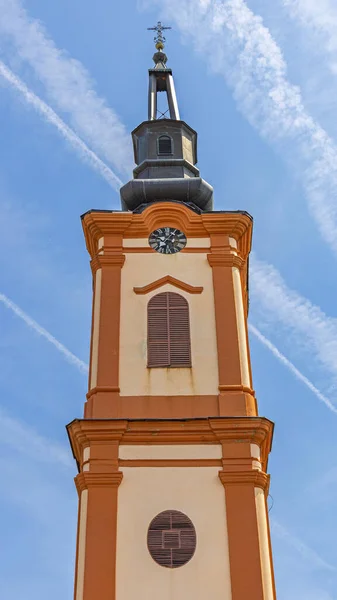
(268,593)
(86,457)
(166,452)
(101,245)
(242,338)
(95,332)
(134,376)
(81,545)
(197,492)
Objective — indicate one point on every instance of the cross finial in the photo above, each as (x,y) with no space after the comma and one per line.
(159,39)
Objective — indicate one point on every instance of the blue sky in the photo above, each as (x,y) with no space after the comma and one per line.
(258,82)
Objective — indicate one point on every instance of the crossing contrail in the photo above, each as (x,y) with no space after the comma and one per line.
(67,133)
(68,85)
(69,356)
(237,45)
(287,363)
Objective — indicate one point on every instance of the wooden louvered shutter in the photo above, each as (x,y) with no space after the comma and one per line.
(171,539)
(158,332)
(168,331)
(179,331)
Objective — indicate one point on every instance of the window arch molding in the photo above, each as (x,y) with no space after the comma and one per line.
(168,331)
(164,144)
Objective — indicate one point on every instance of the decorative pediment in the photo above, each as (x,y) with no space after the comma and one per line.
(191,289)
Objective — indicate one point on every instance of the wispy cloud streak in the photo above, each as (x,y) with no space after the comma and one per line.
(68,85)
(22,438)
(69,356)
(307,553)
(309,328)
(321,18)
(68,134)
(289,365)
(239,46)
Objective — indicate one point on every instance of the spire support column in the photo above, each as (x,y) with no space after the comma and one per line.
(172,98)
(152,97)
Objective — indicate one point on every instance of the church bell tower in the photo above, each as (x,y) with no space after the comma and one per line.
(172,454)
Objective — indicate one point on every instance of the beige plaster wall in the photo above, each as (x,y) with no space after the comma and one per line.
(268,593)
(95,331)
(81,545)
(241,323)
(135,378)
(197,492)
(167,452)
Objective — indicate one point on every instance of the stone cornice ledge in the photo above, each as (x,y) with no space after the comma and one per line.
(107,260)
(254,477)
(84,481)
(225,260)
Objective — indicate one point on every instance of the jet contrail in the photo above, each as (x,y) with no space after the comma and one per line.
(236,44)
(68,85)
(26,440)
(70,357)
(291,367)
(68,134)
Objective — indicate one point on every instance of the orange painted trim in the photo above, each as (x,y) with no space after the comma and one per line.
(202,462)
(129,225)
(229,362)
(109,328)
(107,260)
(243,541)
(249,430)
(102,388)
(236,388)
(225,260)
(256,478)
(191,289)
(234,401)
(86,480)
(101,536)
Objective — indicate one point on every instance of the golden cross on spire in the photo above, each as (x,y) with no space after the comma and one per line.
(159,39)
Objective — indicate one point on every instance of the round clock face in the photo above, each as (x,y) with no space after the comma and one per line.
(167,240)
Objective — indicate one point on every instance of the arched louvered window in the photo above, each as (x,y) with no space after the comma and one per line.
(164,144)
(168,331)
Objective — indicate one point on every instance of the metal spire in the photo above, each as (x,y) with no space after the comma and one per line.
(159,39)
(161,79)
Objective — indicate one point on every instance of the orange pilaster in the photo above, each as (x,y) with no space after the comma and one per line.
(101,534)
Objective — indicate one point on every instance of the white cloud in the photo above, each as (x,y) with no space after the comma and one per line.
(311,330)
(70,136)
(320,17)
(68,85)
(287,363)
(69,356)
(237,45)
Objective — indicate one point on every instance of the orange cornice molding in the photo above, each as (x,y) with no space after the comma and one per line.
(114,226)
(254,430)
(191,289)
(83,481)
(253,477)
